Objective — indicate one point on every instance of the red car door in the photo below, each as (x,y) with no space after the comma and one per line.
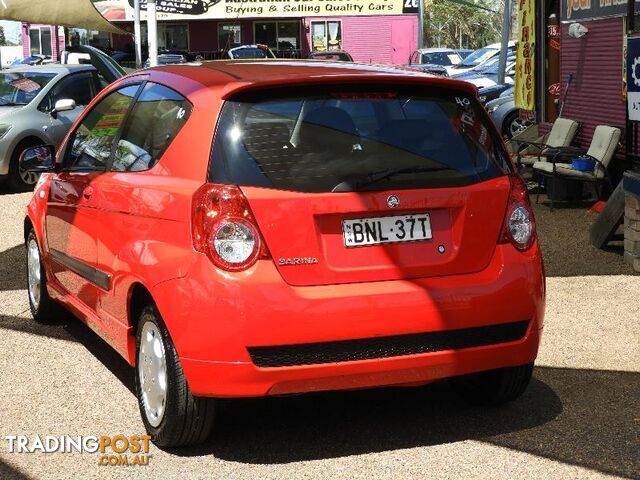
(72,221)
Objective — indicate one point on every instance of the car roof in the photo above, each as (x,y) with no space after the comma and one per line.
(498,45)
(256,73)
(50,68)
(436,50)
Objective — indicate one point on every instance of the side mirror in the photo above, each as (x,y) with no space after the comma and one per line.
(38,159)
(64,105)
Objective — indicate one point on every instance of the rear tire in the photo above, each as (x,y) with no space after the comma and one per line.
(493,387)
(172,416)
(19,180)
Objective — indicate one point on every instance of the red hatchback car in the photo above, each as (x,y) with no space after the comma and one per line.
(250,228)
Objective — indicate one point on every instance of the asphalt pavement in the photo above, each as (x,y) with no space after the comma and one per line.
(580,417)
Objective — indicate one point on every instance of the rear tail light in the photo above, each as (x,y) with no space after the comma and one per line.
(519,224)
(223,227)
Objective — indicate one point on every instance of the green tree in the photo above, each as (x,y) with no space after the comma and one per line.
(3,40)
(462,23)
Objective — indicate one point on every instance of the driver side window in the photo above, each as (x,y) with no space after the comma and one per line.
(92,142)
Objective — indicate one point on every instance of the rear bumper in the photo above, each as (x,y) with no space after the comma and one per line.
(219,317)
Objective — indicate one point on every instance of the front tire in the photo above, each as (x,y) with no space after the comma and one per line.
(493,387)
(19,180)
(172,416)
(43,309)
(512,125)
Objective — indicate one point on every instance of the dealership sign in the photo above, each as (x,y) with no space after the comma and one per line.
(633,79)
(571,10)
(233,9)
(525,64)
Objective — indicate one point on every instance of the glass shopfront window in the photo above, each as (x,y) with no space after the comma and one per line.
(229,35)
(173,36)
(326,35)
(80,36)
(40,41)
(281,37)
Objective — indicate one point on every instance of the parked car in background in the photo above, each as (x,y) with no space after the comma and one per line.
(444,57)
(250,51)
(253,228)
(108,69)
(332,55)
(479,57)
(168,59)
(32,60)
(38,105)
(506,115)
(431,68)
(464,52)
(486,74)
(486,94)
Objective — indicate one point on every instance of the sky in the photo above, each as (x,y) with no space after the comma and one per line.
(11,30)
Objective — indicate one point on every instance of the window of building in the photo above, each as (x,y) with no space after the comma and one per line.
(173,36)
(326,35)
(229,35)
(281,37)
(45,41)
(34,41)
(155,120)
(40,41)
(80,36)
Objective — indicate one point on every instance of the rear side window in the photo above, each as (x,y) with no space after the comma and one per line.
(333,139)
(156,118)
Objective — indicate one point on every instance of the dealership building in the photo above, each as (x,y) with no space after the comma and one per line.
(376,31)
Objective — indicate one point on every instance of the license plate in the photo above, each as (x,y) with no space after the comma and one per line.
(358,232)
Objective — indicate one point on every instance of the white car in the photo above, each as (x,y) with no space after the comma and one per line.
(479,57)
(444,57)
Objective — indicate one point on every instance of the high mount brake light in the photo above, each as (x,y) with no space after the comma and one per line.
(519,224)
(223,227)
(365,95)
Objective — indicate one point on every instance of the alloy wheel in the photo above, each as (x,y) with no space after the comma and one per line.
(29,178)
(34,272)
(517,125)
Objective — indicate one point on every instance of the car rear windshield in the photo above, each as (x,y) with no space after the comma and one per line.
(354,139)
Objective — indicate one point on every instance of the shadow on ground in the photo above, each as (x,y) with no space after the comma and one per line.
(7,472)
(566,248)
(587,418)
(13,275)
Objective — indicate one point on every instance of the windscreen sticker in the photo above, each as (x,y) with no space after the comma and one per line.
(26,85)
(471,124)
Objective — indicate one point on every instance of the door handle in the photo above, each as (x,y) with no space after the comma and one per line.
(87,192)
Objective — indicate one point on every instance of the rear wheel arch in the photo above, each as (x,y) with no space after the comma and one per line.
(139,297)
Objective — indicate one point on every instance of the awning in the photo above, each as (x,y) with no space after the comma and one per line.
(68,13)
